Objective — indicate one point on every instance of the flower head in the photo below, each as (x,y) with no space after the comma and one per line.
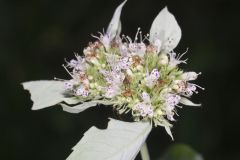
(140,74)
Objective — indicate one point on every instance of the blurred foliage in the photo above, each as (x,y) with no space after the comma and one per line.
(36,36)
(181,152)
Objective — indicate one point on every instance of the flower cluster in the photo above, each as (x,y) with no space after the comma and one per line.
(139,75)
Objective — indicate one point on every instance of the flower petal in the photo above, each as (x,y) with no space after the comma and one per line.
(114,28)
(166,29)
(189,76)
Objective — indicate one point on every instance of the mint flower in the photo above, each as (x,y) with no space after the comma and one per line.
(139,75)
(171,100)
(151,79)
(82,91)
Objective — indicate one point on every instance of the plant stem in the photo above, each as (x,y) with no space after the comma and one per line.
(144,152)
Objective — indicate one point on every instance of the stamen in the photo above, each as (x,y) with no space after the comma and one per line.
(67,70)
(146,37)
(140,33)
(124,37)
(179,57)
(197,86)
(76,55)
(95,37)
(129,39)
(136,36)
(66,60)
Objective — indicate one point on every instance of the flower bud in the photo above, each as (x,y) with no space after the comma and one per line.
(90,77)
(163,59)
(92,85)
(189,76)
(129,72)
(94,61)
(175,87)
(159,112)
(96,84)
(139,67)
(103,65)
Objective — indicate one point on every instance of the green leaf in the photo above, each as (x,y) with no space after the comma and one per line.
(181,152)
(120,141)
(81,107)
(45,93)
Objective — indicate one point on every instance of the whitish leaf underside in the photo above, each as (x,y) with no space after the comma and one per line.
(120,141)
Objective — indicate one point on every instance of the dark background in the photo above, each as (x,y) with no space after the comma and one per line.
(36,36)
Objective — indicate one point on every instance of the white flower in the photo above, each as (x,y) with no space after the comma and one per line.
(190,89)
(114,80)
(123,49)
(112,91)
(190,76)
(68,85)
(78,65)
(142,77)
(124,63)
(171,100)
(185,88)
(144,109)
(104,39)
(137,49)
(175,59)
(152,78)
(73,63)
(155,74)
(146,98)
(179,86)
(170,113)
(82,91)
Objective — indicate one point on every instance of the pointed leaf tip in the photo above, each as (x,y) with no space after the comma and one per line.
(165,29)
(169,132)
(114,28)
(187,102)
